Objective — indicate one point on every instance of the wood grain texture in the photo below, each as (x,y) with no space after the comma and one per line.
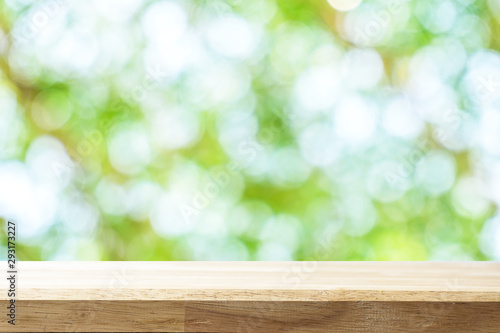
(98,316)
(255,297)
(247,317)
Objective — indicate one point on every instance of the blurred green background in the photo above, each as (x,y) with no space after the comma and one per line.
(250,130)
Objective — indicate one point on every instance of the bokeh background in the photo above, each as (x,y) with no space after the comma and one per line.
(250,130)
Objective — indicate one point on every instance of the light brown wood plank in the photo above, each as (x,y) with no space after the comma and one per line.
(255,297)
(266,281)
(224,316)
(256,317)
(97,316)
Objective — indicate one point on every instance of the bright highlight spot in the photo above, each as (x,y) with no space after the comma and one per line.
(356,120)
(232,36)
(344,5)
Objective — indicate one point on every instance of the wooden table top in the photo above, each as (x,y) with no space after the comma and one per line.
(256,281)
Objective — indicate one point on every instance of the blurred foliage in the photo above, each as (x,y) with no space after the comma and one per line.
(251,130)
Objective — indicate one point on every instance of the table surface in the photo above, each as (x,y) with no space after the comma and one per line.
(257,281)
